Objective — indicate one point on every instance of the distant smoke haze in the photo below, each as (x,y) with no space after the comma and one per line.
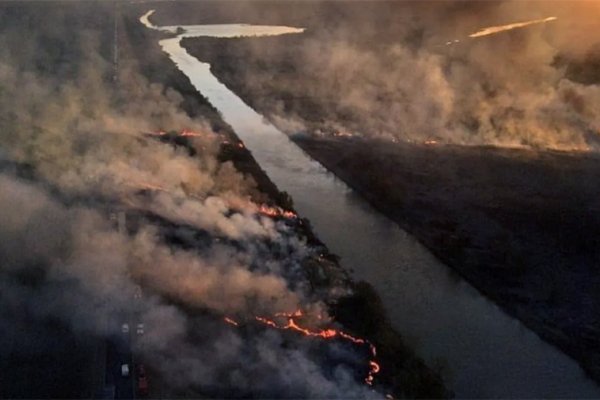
(383,69)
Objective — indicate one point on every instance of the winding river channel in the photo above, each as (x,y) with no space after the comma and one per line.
(485,352)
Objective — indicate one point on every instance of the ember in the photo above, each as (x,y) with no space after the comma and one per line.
(184,133)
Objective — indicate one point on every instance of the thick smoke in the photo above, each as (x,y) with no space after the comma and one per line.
(64,260)
(85,273)
(409,71)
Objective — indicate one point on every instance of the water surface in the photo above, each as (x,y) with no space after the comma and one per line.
(486,353)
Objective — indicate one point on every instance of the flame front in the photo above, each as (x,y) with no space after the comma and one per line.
(276,212)
(326,334)
(501,28)
(188,133)
(184,132)
(297,313)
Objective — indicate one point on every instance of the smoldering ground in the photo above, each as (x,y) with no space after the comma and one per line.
(385,69)
(63,262)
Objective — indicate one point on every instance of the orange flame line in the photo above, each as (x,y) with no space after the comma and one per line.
(188,133)
(183,132)
(490,30)
(374,367)
(267,322)
(276,212)
(297,313)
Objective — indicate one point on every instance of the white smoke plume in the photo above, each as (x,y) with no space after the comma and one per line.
(63,260)
(383,69)
(86,276)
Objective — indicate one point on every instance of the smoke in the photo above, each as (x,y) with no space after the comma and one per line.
(74,254)
(64,261)
(383,69)
(80,244)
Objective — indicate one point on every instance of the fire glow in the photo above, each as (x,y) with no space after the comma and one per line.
(275,212)
(501,28)
(191,134)
(188,133)
(150,187)
(183,133)
(342,134)
(326,334)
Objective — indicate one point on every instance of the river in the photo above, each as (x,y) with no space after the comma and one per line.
(486,353)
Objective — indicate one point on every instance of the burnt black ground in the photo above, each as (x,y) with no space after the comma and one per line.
(65,364)
(521,226)
(402,371)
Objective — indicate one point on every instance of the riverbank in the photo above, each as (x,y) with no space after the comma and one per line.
(523,231)
(401,371)
(520,226)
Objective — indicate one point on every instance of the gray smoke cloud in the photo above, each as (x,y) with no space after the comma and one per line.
(384,69)
(63,260)
(86,274)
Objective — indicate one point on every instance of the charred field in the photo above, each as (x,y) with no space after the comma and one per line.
(145,253)
(401,370)
(512,209)
(515,226)
(133,184)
